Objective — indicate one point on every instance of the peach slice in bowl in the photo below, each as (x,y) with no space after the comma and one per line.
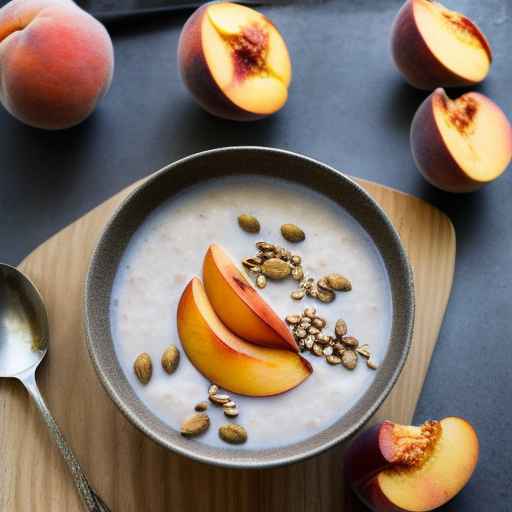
(239,305)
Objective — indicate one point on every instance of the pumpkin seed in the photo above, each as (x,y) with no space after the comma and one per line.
(249,223)
(143,368)
(310,341)
(319,323)
(195,425)
(339,348)
(297,274)
(323,339)
(265,246)
(292,233)
(341,328)
(364,351)
(297,294)
(371,364)
(293,319)
(231,412)
(253,262)
(170,359)
(328,351)
(310,313)
(233,433)
(261,281)
(301,333)
(338,282)
(296,260)
(349,359)
(325,296)
(201,406)
(333,360)
(350,341)
(219,399)
(277,269)
(317,350)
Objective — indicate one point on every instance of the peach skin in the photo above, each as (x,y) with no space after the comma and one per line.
(224,358)
(234,62)
(435,47)
(239,305)
(460,145)
(56,62)
(399,468)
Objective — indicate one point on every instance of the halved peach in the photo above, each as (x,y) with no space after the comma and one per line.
(240,306)
(234,62)
(433,46)
(460,145)
(398,468)
(226,359)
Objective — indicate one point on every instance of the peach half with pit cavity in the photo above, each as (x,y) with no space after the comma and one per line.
(234,62)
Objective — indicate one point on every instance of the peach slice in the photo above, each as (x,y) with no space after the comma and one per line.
(229,361)
(433,46)
(240,306)
(460,145)
(398,468)
(234,62)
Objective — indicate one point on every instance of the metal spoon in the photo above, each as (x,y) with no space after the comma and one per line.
(23,345)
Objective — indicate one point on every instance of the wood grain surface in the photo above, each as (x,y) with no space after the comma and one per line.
(132,473)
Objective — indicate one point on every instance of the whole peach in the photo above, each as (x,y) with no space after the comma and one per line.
(56,62)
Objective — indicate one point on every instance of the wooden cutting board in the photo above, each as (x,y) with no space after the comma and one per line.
(131,472)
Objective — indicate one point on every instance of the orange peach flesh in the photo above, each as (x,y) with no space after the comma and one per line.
(476,133)
(247,57)
(454,40)
(226,359)
(435,462)
(239,305)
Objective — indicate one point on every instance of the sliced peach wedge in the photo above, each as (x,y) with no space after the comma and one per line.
(226,359)
(401,468)
(240,306)
(460,145)
(234,62)
(433,46)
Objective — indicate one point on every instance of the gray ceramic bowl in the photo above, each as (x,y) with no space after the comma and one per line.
(229,161)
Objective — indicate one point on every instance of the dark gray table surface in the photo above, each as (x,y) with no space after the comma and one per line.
(349,108)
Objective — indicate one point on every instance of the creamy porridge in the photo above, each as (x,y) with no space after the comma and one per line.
(167,251)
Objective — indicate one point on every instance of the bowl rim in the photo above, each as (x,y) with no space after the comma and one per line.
(228,460)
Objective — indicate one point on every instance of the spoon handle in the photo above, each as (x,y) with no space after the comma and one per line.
(91,501)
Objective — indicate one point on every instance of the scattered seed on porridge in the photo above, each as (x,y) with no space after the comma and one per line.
(349,359)
(372,364)
(338,282)
(233,433)
(170,359)
(297,294)
(249,223)
(195,424)
(219,399)
(364,351)
(261,281)
(143,368)
(340,328)
(292,233)
(201,406)
(350,341)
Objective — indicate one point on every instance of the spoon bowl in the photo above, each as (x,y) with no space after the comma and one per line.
(23,323)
